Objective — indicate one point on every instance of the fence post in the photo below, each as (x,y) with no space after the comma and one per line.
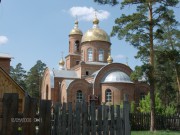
(10,114)
(126,111)
(45,117)
(30,108)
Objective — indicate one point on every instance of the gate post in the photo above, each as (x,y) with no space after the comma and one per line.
(10,114)
(126,111)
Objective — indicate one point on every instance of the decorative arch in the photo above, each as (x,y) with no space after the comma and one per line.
(114,66)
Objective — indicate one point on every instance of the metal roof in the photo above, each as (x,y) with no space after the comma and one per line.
(65,73)
(116,76)
(5,55)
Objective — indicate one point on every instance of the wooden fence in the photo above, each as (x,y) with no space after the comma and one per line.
(141,121)
(43,118)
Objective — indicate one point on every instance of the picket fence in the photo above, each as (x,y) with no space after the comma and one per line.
(45,118)
(141,121)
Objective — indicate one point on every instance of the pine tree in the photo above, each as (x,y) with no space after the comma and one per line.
(34,79)
(19,75)
(142,29)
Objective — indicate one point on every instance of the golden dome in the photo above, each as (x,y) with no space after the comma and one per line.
(95,21)
(76,30)
(61,62)
(109,59)
(95,34)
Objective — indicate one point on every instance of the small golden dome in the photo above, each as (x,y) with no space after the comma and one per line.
(61,62)
(95,21)
(75,30)
(109,59)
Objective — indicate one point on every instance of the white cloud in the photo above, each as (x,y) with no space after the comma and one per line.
(3,40)
(119,56)
(87,14)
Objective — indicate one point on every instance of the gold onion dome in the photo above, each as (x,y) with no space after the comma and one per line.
(61,62)
(109,59)
(95,34)
(76,30)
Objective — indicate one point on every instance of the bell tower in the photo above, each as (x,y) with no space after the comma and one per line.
(74,55)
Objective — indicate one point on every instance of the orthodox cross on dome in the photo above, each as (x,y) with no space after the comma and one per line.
(62,54)
(95,20)
(76,23)
(95,13)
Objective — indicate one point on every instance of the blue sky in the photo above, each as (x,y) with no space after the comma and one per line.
(32,30)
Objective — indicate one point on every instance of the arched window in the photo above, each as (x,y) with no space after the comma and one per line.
(90,54)
(79,96)
(76,45)
(101,55)
(108,95)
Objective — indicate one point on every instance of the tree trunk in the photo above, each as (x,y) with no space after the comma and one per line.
(175,65)
(151,73)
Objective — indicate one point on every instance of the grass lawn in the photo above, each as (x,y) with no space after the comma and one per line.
(164,132)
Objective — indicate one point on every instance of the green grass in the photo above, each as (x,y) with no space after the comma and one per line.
(155,133)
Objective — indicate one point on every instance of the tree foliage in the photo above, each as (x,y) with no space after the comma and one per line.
(144,106)
(143,29)
(19,75)
(34,79)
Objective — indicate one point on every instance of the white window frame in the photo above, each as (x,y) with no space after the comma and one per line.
(101,55)
(90,54)
(108,95)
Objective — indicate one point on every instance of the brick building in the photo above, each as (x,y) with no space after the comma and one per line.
(89,70)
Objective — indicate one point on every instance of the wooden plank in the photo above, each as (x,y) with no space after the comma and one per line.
(30,109)
(112,120)
(10,114)
(45,117)
(99,128)
(56,122)
(93,119)
(70,119)
(118,121)
(77,118)
(105,120)
(64,119)
(126,108)
(84,118)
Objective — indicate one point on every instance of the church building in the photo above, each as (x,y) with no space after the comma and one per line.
(88,71)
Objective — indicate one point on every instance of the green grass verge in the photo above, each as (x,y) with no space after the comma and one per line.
(155,132)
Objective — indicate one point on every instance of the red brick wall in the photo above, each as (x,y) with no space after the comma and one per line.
(5,64)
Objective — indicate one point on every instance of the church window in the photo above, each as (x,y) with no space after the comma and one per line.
(101,55)
(76,45)
(79,96)
(87,73)
(77,62)
(142,95)
(90,54)
(108,95)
